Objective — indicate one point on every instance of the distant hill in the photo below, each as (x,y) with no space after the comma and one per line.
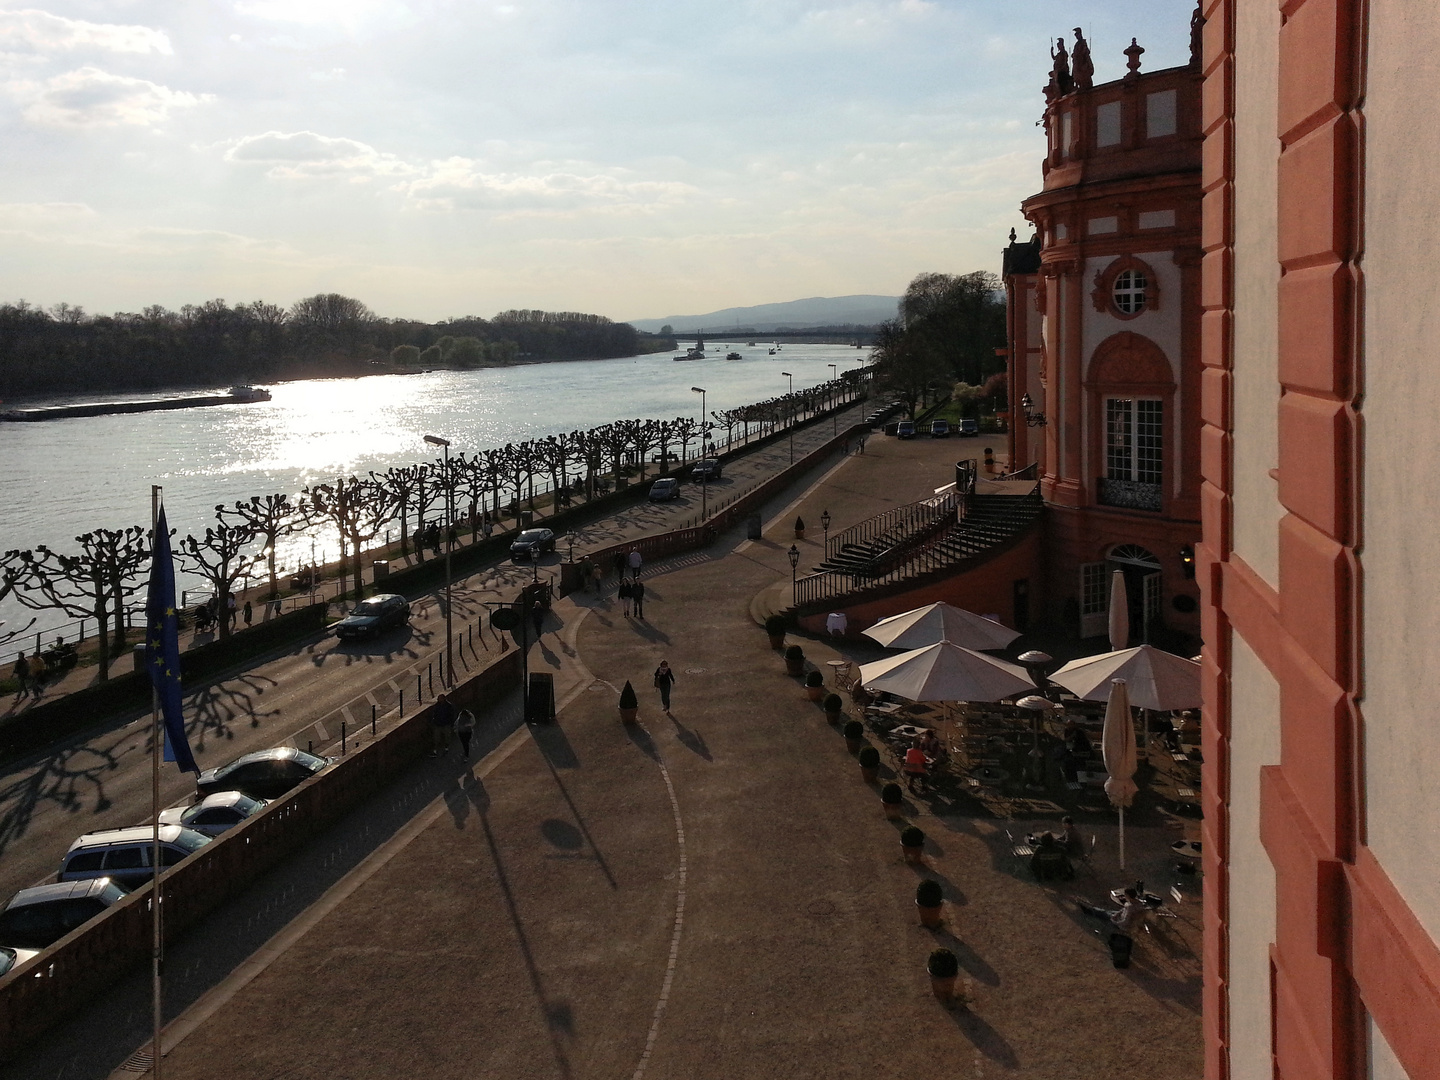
(796,314)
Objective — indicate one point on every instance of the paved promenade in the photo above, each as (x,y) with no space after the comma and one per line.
(713,893)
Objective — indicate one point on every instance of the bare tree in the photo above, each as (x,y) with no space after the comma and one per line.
(221,559)
(358,509)
(684,429)
(402,485)
(269,517)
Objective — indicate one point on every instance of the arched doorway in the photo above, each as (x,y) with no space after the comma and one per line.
(1142,587)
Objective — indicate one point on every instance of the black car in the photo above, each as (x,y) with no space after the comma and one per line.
(374,615)
(265,774)
(665,489)
(709,469)
(38,917)
(532,543)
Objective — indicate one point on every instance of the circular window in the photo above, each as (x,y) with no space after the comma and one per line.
(1129,292)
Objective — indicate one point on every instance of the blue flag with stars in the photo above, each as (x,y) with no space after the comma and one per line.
(162,647)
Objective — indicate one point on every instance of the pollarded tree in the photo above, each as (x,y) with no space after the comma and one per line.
(401,485)
(474,485)
(269,517)
(221,558)
(358,510)
(644,437)
(684,430)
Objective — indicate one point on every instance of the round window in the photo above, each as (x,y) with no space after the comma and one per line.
(1129,292)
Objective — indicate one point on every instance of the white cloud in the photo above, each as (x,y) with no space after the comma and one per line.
(460,184)
(42,215)
(349,16)
(300,155)
(89,97)
(32,31)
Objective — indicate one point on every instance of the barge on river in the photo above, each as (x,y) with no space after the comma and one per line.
(237,395)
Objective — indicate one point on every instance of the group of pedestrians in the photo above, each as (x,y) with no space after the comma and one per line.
(444,719)
(30,673)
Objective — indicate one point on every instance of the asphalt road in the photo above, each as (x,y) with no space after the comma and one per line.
(102,780)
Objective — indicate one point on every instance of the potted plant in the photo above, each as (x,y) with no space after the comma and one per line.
(814,686)
(929,901)
(833,704)
(629,706)
(799,528)
(869,764)
(775,627)
(912,843)
(944,968)
(854,733)
(892,798)
(795,660)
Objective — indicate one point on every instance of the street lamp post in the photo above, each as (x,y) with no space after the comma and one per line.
(701,391)
(790,422)
(834,418)
(435,440)
(825,524)
(794,555)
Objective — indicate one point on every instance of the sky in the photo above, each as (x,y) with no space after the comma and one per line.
(439,158)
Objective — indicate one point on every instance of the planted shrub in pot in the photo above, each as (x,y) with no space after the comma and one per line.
(795,660)
(814,686)
(912,843)
(892,798)
(929,901)
(629,706)
(833,704)
(869,764)
(775,627)
(854,733)
(944,968)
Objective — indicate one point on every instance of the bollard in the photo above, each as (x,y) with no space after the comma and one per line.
(419,687)
(342,738)
(372,721)
(430,677)
(310,746)
(402,704)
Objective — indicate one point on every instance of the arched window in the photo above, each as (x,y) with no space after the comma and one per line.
(1129,292)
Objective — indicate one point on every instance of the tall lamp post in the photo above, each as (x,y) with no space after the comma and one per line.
(834,417)
(790,404)
(701,391)
(825,524)
(435,440)
(794,556)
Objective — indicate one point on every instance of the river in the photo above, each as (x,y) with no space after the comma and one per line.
(61,478)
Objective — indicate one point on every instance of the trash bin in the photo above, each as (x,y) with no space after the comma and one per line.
(752,527)
(527,518)
(137,656)
(540,702)
(381,568)
(892,428)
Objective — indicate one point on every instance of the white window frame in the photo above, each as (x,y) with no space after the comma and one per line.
(1129,291)
(1135,439)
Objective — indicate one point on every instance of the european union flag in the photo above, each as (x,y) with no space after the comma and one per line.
(162,647)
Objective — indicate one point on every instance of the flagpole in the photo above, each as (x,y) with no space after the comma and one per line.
(157,741)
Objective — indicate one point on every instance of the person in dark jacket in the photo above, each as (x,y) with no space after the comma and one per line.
(664,681)
(637,593)
(442,722)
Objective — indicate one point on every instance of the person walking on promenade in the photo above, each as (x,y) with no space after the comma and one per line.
(38,671)
(442,722)
(664,680)
(537,618)
(635,564)
(249,614)
(625,591)
(618,562)
(597,573)
(22,673)
(230,611)
(465,728)
(637,593)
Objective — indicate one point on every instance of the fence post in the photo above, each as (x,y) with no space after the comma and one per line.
(419,687)
(372,721)
(430,676)
(402,703)
(342,738)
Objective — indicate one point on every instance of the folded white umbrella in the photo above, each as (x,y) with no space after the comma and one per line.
(946,672)
(1118,621)
(1118,745)
(1154,678)
(941,622)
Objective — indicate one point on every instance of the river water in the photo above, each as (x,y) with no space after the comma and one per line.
(61,478)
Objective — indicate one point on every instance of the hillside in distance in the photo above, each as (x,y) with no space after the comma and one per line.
(816,311)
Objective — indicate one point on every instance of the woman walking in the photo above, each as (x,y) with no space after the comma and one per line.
(664,680)
(624,591)
(465,727)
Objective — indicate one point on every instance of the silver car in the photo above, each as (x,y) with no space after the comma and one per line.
(214,814)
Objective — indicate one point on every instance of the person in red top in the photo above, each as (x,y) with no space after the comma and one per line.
(915,767)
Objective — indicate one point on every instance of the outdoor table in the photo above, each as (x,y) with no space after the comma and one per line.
(989,774)
(884,708)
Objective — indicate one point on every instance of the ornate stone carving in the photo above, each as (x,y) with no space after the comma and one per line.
(1128,359)
(1104,281)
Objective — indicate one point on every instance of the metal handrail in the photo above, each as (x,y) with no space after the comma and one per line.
(897,523)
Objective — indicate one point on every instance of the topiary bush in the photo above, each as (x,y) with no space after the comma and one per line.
(892,794)
(929,894)
(814,679)
(912,837)
(854,730)
(942,964)
(794,654)
(869,758)
(775,626)
(627,697)
(833,703)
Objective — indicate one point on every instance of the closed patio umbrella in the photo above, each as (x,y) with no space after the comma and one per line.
(1154,679)
(1118,746)
(941,622)
(1119,623)
(945,672)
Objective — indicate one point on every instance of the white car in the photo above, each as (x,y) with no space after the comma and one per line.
(214,814)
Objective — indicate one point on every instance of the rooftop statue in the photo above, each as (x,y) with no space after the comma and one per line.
(1081,64)
(1060,81)
(1197,35)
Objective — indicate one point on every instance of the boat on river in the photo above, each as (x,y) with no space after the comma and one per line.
(237,395)
(732,356)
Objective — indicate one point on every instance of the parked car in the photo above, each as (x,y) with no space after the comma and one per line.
(939,429)
(11,958)
(905,429)
(265,774)
(214,814)
(37,917)
(374,615)
(706,470)
(969,428)
(124,855)
(532,543)
(664,489)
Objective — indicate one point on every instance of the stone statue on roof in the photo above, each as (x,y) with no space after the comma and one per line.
(1081,64)
(1197,35)
(1060,81)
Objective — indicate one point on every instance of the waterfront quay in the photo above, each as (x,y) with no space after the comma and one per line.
(713,892)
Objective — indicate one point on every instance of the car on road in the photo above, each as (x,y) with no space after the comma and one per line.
(532,543)
(969,428)
(124,855)
(41,916)
(265,774)
(939,429)
(374,615)
(214,814)
(664,489)
(905,429)
(706,470)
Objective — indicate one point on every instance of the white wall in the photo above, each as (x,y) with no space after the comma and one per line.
(1254,742)
(1400,557)
(1257,276)
(1382,1063)
(1161,327)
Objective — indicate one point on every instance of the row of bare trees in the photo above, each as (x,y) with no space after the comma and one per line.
(100,580)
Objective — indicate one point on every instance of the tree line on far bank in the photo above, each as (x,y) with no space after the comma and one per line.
(63,349)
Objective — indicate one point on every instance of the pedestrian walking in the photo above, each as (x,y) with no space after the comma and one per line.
(22,672)
(587,569)
(635,564)
(618,564)
(664,680)
(249,614)
(38,670)
(465,727)
(637,594)
(597,573)
(442,722)
(230,611)
(537,619)
(278,608)
(626,590)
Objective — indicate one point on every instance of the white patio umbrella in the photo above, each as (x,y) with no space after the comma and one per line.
(940,622)
(1118,745)
(946,672)
(1154,679)
(1119,623)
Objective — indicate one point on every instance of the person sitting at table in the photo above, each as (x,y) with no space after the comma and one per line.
(916,768)
(1126,919)
(1049,859)
(1070,837)
(931,745)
